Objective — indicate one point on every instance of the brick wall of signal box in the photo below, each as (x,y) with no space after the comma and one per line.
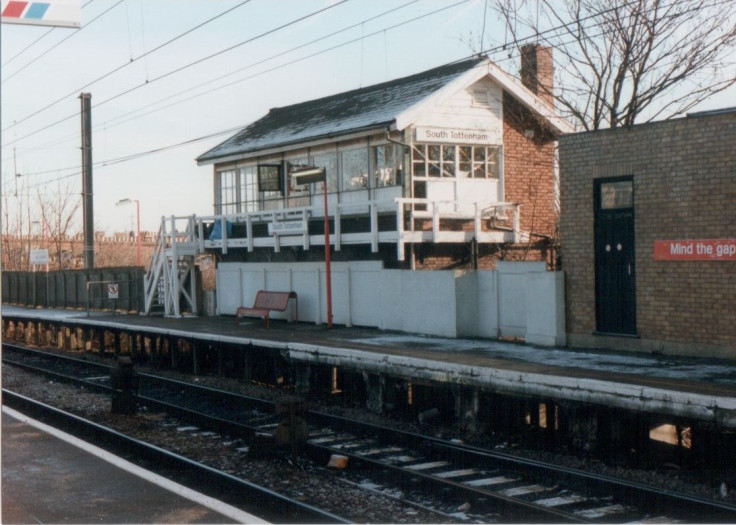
(684,174)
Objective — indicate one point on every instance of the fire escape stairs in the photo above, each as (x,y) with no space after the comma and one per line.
(170,285)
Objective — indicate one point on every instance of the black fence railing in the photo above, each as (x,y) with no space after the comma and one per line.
(119,288)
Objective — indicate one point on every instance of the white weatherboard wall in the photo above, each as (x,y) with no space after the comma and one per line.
(518,300)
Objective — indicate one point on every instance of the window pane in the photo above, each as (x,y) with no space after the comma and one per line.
(354,169)
(329,162)
(386,166)
(494,166)
(250,189)
(228,192)
(465,154)
(434,161)
(448,161)
(615,195)
(479,154)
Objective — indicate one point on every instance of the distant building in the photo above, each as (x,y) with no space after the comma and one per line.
(648,230)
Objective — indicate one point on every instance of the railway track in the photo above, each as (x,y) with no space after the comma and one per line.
(487,485)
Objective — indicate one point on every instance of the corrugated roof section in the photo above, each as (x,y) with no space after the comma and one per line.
(348,112)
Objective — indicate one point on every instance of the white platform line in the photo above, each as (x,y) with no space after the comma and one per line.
(192,495)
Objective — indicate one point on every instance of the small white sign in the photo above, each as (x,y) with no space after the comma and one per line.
(456,136)
(113,289)
(40,256)
(287,228)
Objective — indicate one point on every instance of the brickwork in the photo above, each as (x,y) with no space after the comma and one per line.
(537,71)
(528,167)
(684,174)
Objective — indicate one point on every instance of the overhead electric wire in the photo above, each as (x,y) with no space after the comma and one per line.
(19,53)
(29,46)
(133,156)
(177,70)
(486,51)
(126,64)
(168,99)
(497,48)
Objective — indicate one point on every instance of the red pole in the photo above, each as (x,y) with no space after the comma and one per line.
(138,232)
(328,267)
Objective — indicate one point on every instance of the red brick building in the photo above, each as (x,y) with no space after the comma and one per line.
(648,230)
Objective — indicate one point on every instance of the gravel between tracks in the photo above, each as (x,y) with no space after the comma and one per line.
(314,484)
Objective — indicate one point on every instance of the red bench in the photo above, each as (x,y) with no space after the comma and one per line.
(265,303)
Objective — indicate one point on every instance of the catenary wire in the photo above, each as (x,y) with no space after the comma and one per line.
(126,64)
(179,69)
(134,156)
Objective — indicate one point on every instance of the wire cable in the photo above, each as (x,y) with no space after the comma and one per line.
(122,66)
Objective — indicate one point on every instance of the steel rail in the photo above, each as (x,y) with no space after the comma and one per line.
(645,495)
(212,482)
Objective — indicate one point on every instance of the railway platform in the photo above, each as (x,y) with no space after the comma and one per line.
(697,388)
(51,477)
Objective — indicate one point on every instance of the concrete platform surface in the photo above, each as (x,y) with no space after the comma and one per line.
(51,477)
(691,387)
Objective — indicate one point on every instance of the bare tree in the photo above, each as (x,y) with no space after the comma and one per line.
(58,217)
(624,61)
(17,229)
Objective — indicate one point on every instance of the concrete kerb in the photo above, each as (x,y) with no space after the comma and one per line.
(718,410)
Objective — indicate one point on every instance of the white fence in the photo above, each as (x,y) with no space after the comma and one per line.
(517,300)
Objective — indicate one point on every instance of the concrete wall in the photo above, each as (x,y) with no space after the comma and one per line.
(684,188)
(518,300)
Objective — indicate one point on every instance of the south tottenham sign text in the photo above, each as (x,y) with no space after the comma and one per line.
(695,250)
(466,136)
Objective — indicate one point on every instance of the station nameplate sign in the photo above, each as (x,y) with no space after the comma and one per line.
(287,228)
(695,250)
(453,136)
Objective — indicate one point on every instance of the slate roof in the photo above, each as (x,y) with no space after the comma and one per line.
(349,112)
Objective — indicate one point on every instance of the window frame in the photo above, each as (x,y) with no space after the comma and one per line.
(432,159)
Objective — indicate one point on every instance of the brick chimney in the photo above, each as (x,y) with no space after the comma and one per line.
(537,71)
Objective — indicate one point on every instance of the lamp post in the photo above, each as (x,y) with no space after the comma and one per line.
(139,255)
(307,176)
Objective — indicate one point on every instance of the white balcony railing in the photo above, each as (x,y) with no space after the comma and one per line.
(289,227)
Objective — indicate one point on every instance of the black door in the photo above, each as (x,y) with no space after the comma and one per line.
(615,276)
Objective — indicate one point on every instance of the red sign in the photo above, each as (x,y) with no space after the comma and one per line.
(695,250)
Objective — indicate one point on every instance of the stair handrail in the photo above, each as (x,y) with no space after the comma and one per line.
(153,272)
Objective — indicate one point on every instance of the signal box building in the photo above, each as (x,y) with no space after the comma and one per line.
(448,169)
(648,230)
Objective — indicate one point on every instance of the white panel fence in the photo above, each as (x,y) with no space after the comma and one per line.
(519,299)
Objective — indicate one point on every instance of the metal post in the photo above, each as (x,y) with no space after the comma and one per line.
(328,265)
(139,258)
(87,205)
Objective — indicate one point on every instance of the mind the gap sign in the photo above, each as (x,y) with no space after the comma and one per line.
(695,250)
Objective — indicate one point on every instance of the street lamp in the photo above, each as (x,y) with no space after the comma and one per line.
(307,176)
(121,202)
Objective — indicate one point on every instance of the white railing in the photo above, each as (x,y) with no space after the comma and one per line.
(180,239)
(195,230)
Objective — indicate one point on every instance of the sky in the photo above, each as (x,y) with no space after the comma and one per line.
(161,74)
